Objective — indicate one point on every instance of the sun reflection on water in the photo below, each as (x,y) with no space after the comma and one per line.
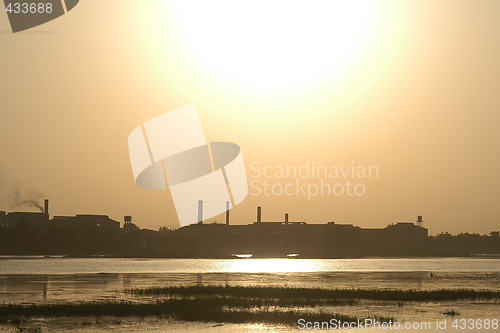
(271,265)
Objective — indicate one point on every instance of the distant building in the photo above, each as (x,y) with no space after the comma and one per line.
(86,221)
(267,239)
(405,232)
(38,220)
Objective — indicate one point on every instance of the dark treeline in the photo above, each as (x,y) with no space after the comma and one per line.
(209,241)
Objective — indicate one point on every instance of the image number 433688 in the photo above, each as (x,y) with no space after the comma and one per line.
(26,14)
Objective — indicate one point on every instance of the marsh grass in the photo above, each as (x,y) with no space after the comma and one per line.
(20,324)
(451,313)
(206,309)
(288,293)
(238,304)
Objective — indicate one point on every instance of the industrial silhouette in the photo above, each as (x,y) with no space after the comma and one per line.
(41,220)
(88,235)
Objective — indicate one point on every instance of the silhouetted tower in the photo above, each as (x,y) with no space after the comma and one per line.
(227,212)
(286,218)
(420,222)
(200,211)
(127,220)
(46,207)
(259,214)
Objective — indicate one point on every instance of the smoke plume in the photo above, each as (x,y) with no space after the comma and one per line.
(25,198)
(15,195)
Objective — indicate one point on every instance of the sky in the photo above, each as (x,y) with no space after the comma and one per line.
(409,89)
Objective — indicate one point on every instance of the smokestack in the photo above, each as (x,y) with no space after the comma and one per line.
(286,218)
(46,207)
(259,214)
(200,211)
(227,212)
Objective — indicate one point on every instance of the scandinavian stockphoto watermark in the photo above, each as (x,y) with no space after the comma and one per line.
(204,178)
(310,179)
(462,324)
(362,324)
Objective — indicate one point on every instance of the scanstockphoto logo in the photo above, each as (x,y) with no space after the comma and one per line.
(26,14)
(311,179)
(205,179)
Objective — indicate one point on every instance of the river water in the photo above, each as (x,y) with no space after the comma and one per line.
(42,265)
(46,280)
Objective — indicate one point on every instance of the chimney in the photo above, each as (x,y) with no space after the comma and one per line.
(46,207)
(259,214)
(227,212)
(200,211)
(286,218)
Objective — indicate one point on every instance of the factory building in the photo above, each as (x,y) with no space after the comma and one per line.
(278,238)
(86,222)
(41,220)
(38,220)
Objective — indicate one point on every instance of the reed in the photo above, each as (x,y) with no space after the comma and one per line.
(290,293)
(206,309)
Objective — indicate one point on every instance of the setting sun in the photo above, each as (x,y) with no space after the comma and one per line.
(274,45)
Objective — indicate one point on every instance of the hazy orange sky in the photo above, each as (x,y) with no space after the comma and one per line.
(408,87)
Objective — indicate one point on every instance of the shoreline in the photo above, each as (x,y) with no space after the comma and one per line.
(104,256)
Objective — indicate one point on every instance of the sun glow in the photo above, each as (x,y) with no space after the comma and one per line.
(271,265)
(273,45)
(242,59)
